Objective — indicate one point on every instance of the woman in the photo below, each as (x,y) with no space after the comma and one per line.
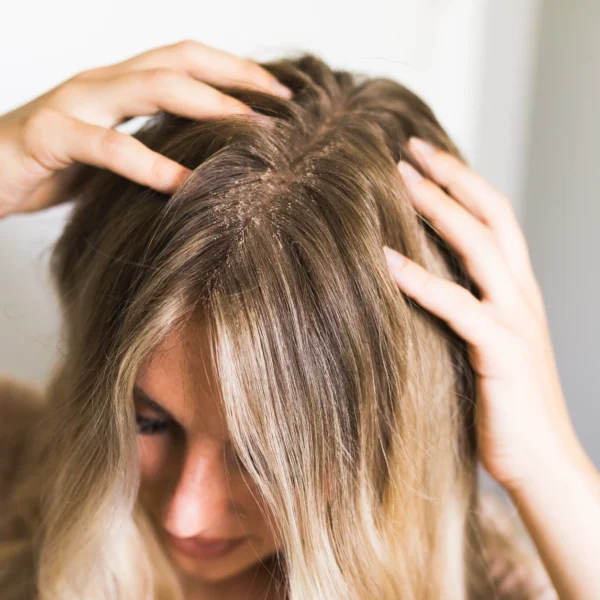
(227,299)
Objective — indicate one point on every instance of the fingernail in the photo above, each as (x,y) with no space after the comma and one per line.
(281,90)
(394,258)
(421,145)
(409,173)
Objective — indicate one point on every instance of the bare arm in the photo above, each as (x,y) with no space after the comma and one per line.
(560,506)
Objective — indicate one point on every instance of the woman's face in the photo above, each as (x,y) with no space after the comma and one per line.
(192,483)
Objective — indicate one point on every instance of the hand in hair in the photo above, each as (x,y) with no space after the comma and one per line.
(526,440)
(45,143)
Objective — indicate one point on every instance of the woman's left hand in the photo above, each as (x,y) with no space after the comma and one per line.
(521,417)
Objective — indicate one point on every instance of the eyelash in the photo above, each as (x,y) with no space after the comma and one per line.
(146,426)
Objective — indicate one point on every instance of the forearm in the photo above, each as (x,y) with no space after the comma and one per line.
(560,506)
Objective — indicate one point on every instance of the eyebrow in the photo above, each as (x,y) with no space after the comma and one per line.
(141,395)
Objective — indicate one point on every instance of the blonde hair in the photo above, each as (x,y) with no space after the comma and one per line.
(351,407)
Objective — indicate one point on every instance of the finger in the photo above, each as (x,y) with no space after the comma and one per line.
(470,239)
(208,64)
(77,141)
(445,299)
(146,92)
(486,203)
(466,186)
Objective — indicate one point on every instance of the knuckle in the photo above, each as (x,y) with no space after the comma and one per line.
(39,120)
(454,170)
(114,142)
(159,77)
(37,136)
(87,74)
(188,48)
(67,93)
(480,240)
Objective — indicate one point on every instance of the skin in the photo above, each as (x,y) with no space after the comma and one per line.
(526,439)
(192,483)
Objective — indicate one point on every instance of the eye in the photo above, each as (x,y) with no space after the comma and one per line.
(146,426)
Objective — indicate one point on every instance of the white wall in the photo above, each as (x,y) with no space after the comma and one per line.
(562,215)
(454,53)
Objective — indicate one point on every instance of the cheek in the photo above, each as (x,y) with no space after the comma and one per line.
(152,455)
(249,499)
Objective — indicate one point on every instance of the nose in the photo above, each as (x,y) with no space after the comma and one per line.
(201,496)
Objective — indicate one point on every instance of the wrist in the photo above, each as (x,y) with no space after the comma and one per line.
(558,469)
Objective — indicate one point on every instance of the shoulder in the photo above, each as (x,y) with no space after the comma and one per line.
(18,398)
(21,405)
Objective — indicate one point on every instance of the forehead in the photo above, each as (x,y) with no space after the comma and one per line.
(184,349)
(180,376)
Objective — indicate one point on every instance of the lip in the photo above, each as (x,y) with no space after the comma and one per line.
(210,549)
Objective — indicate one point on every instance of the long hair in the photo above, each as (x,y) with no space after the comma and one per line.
(351,407)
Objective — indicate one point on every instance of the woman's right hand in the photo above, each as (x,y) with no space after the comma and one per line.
(45,143)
